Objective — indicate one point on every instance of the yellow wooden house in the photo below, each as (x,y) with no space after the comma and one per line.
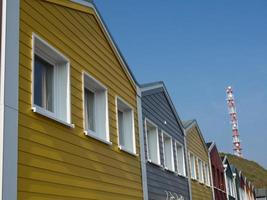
(68,106)
(198,162)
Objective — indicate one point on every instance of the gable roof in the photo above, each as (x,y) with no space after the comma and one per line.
(210,145)
(160,84)
(193,123)
(187,123)
(113,44)
(226,161)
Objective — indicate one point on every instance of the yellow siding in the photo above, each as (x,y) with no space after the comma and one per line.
(57,162)
(196,146)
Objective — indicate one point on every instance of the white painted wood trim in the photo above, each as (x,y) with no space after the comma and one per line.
(158,147)
(187,168)
(9,100)
(47,58)
(142,145)
(133,126)
(107,137)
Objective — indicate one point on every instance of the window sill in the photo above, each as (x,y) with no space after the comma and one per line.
(122,148)
(193,179)
(154,163)
(181,175)
(201,183)
(169,170)
(207,185)
(41,111)
(87,133)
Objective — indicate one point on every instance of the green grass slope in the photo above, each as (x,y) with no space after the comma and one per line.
(252,170)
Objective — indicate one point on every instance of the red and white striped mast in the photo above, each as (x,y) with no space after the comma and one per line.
(234,122)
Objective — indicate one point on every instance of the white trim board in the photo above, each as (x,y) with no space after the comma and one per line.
(9,100)
(142,145)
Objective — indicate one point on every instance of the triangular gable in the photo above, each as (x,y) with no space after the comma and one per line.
(191,124)
(115,48)
(156,85)
(210,145)
(89,7)
(226,161)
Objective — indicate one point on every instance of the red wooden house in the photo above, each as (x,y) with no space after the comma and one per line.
(217,173)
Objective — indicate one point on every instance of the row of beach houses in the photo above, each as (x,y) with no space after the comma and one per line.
(76,125)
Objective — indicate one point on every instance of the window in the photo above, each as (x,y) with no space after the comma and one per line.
(233,188)
(207,174)
(51,96)
(200,171)
(168,152)
(192,166)
(152,142)
(180,159)
(125,119)
(95,109)
(44,81)
(229,183)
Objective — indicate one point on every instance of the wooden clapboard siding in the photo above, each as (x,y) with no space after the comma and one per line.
(157,108)
(217,174)
(57,162)
(197,147)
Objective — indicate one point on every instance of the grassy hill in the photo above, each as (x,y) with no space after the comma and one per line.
(252,170)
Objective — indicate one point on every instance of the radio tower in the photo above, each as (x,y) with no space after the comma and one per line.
(234,122)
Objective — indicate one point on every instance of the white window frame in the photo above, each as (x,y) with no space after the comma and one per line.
(194,167)
(124,148)
(43,53)
(172,155)
(158,148)
(199,170)
(207,173)
(183,157)
(95,134)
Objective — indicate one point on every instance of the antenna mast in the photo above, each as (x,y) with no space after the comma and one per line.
(234,122)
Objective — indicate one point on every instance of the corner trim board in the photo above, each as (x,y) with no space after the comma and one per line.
(9,100)
(142,146)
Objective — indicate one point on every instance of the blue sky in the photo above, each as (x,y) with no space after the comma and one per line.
(198,48)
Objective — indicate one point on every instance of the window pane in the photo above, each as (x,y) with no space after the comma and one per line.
(192,166)
(37,82)
(121,128)
(207,174)
(89,109)
(43,83)
(152,140)
(168,152)
(180,159)
(48,77)
(200,170)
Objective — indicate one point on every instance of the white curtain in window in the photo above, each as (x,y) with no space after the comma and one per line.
(180,159)
(192,166)
(121,128)
(89,100)
(43,84)
(168,152)
(152,140)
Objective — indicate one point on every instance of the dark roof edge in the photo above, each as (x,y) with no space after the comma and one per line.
(160,84)
(116,45)
(210,145)
(90,3)
(194,123)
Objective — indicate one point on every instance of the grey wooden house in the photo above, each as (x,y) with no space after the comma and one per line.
(164,142)
(230,176)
